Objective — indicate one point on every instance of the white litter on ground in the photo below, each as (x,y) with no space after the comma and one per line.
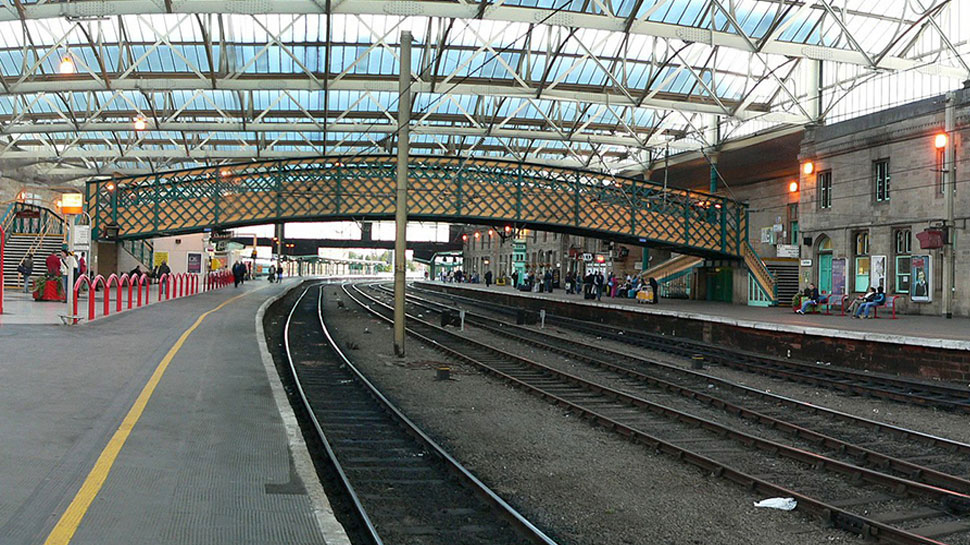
(785,504)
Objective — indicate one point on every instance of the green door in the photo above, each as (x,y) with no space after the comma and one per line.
(825,273)
(720,285)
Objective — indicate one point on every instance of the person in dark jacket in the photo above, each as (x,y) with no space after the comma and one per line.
(238,270)
(814,299)
(26,268)
(488,278)
(655,288)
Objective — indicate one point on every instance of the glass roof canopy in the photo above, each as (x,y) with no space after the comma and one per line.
(603,84)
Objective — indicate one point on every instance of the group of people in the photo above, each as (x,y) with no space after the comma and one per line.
(57,264)
(860,308)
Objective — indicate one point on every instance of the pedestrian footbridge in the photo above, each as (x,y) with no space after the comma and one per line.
(460,190)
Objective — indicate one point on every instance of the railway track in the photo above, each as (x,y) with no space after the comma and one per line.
(907,453)
(403,486)
(911,391)
(867,501)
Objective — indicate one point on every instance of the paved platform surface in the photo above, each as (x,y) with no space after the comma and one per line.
(908,329)
(208,462)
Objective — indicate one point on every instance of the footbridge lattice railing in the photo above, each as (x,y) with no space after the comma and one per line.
(440,189)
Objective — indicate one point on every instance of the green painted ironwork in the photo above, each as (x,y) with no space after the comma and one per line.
(440,189)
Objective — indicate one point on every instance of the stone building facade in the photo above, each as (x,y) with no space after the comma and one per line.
(875,185)
(488,249)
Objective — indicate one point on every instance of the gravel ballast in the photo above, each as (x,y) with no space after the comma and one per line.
(580,483)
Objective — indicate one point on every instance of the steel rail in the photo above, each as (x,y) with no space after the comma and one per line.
(954,398)
(837,516)
(557,344)
(361,513)
(522,525)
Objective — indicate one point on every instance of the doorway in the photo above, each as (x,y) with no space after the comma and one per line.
(825,266)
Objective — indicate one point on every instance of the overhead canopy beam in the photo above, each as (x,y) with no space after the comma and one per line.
(573,93)
(462,10)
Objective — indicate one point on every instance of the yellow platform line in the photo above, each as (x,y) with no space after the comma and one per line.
(71,519)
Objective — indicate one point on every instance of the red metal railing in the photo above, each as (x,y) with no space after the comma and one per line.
(1,267)
(169,285)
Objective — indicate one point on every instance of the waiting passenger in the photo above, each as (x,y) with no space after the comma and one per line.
(868,296)
(26,268)
(878,300)
(814,299)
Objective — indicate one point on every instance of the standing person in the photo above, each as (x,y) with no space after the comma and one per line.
(279,273)
(515,279)
(237,273)
(53,264)
(655,288)
(547,281)
(598,281)
(272,274)
(26,268)
(164,270)
(588,281)
(68,263)
(82,269)
(488,278)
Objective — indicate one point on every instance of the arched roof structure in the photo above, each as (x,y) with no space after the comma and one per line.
(603,84)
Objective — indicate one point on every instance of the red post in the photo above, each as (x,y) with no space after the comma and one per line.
(2,236)
(143,282)
(83,279)
(98,280)
(107,293)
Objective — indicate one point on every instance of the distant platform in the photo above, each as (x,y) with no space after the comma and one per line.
(872,343)
(207,460)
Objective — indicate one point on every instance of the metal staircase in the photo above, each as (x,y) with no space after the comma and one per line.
(762,291)
(29,229)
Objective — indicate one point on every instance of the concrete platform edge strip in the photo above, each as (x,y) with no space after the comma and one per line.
(948,344)
(333,532)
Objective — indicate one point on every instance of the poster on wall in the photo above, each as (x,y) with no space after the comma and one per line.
(878,272)
(921,272)
(160,257)
(194,263)
(838,276)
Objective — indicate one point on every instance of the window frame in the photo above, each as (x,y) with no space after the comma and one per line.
(861,254)
(824,190)
(881,186)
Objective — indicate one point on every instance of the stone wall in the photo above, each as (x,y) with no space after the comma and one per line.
(905,137)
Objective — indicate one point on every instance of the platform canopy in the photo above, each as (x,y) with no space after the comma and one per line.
(602,84)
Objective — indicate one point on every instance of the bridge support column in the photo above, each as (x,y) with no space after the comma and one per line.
(401,212)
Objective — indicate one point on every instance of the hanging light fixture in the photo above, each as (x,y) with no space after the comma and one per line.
(67,65)
(140,123)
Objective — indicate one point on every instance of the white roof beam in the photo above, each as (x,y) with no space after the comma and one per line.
(513,14)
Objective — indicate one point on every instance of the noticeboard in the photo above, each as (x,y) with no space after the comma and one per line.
(193,263)
(921,275)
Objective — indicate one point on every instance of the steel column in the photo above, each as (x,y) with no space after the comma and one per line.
(400,210)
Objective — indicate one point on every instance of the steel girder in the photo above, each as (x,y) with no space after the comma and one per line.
(440,189)
(596,124)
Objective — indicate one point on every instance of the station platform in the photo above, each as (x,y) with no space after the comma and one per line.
(20,307)
(943,344)
(153,426)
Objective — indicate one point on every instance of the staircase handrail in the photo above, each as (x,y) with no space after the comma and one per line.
(39,240)
(142,250)
(6,218)
(759,270)
(672,262)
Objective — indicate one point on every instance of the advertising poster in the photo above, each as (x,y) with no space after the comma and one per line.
(838,276)
(921,275)
(194,264)
(878,272)
(160,257)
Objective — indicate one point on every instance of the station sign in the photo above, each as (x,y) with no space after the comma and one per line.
(80,238)
(588,257)
(72,203)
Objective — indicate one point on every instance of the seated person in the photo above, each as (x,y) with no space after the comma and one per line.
(868,296)
(814,299)
(878,300)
